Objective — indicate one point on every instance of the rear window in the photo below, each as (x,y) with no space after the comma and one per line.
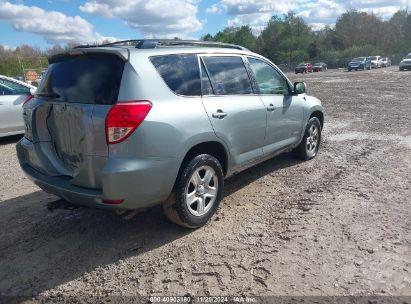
(90,78)
(180,72)
(228,75)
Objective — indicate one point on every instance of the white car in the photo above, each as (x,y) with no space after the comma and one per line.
(376,62)
(13,94)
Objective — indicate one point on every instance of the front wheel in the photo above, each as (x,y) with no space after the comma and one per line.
(308,148)
(197,192)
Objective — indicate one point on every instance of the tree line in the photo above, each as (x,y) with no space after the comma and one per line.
(286,39)
(289,39)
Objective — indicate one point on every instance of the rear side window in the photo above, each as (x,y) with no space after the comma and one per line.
(228,75)
(180,72)
(91,78)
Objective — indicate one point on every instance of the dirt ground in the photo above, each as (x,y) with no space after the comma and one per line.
(337,225)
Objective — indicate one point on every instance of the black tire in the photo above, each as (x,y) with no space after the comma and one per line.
(177,208)
(302,150)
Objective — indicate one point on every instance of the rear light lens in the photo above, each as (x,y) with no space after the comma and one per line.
(123,118)
(28,99)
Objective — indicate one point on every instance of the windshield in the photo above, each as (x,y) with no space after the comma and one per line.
(359,59)
(302,64)
(318,64)
(408,56)
(373,58)
(89,78)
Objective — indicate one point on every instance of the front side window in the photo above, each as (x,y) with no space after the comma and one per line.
(228,75)
(13,88)
(5,90)
(268,79)
(180,72)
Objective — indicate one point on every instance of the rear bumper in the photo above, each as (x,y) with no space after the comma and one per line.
(140,183)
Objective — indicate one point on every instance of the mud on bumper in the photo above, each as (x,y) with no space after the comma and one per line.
(140,183)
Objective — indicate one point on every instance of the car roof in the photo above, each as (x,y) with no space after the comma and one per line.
(152,47)
(167,50)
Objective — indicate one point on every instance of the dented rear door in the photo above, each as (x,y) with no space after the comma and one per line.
(66,119)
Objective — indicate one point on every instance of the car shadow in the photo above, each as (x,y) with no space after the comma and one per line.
(241,180)
(40,250)
(13,139)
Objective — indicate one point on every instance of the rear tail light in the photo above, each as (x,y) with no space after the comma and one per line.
(123,118)
(30,97)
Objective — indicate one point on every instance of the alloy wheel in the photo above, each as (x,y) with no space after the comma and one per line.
(201,191)
(312,140)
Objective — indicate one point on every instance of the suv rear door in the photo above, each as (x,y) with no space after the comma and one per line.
(237,114)
(66,119)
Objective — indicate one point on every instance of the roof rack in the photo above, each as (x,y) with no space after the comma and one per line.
(154,43)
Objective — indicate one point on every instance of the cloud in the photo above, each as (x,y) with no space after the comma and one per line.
(317,13)
(54,27)
(8,47)
(213,9)
(255,13)
(152,18)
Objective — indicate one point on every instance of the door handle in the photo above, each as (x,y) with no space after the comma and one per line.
(219,114)
(270,107)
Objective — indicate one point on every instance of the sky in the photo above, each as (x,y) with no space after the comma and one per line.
(43,23)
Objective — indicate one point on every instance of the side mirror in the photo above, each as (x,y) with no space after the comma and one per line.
(300,88)
(33,91)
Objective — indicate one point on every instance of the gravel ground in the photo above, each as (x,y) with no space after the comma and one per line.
(336,225)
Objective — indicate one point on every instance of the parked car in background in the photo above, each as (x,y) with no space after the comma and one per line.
(13,94)
(320,67)
(161,122)
(304,68)
(385,62)
(405,63)
(359,63)
(376,62)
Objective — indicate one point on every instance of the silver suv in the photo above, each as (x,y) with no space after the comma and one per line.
(134,124)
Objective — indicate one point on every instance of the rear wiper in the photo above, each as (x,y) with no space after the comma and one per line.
(48,95)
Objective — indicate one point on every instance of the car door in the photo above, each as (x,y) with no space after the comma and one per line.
(12,97)
(237,114)
(284,111)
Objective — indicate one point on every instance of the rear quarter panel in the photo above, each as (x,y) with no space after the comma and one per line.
(172,127)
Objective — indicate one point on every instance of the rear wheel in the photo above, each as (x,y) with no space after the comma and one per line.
(197,192)
(308,148)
